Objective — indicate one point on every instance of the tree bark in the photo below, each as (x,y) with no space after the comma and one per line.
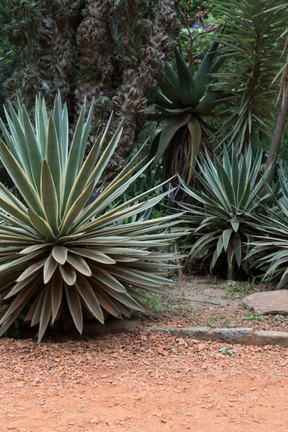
(276,141)
(110,50)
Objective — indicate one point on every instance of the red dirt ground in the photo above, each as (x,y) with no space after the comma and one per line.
(144,382)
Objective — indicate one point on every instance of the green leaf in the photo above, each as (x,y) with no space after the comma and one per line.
(46,311)
(56,295)
(79,264)
(94,255)
(49,198)
(189,92)
(41,226)
(53,158)
(69,274)
(88,296)
(74,304)
(169,131)
(49,269)
(20,178)
(60,253)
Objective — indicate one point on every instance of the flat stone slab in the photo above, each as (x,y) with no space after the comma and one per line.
(269,302)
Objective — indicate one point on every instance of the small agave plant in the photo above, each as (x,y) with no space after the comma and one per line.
(229,202)
(62,256)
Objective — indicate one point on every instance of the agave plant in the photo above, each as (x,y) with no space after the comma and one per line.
(221,224)
(62,255)
(269,249)
(183,98)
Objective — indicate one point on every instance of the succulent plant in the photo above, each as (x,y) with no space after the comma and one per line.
(61,253)
(222,222)
(182,100)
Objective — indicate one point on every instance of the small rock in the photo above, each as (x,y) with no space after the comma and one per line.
(94,421)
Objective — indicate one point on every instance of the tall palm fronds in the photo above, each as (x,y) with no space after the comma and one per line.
(254,41)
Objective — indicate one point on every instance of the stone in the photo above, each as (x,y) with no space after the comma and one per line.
(269,302)
(263,338)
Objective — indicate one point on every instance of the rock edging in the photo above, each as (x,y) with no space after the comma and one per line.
(244,336)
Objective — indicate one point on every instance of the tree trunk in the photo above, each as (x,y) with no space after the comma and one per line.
(112,50)
(276,141)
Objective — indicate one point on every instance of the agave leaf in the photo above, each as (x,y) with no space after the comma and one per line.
(10,207)
(5,193)
(35,157)
(104,278)
(53,158)
(46,311)
(195,140)
(170,86)
(34,248)
(41,122)
(138,278)
(74,304)
(16,139)
(106,155)
(17,263)
(169,131)
(12,317)
(74,155)
(18,303)
(108,195)
(49,197)
(33,268)
(69,274)
(226,238)
(123,298)
(237,247)
(20,178)
(90,299)
(59,254)
(202,76)
(79,264)
(81,181)
(56,295)
(94,255)
(75,209)
(21,285)
(41,226)
(189,91)
(208,102)
(49,269)
(106,302)
(36,309)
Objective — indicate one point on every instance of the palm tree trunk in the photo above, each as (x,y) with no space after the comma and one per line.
(275,146)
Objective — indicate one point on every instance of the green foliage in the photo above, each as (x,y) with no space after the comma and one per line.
(65,257)
(253,41)
(221,225)
(182,99)
(270,247)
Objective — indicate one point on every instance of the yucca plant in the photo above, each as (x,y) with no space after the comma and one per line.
(269,249)
(65,257)
(254,40)
(221,224)
(182,101)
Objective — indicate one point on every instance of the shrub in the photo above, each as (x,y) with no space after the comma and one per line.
(269,248)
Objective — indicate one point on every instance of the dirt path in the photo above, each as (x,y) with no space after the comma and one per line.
(141,383)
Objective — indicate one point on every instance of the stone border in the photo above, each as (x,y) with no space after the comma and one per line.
(244,336)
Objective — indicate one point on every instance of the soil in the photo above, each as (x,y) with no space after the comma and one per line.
(149,381)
